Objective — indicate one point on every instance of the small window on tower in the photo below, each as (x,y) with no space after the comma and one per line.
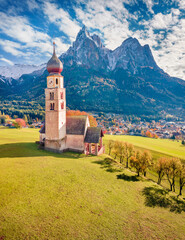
(52,106)
(51,96)
(62,105)
(56,80)
(61,95)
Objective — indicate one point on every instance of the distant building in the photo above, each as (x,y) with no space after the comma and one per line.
(61,133)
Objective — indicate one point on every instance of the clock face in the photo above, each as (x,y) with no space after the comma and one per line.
(50,82)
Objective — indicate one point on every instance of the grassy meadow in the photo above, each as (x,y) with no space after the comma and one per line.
(72,196)
(160,146)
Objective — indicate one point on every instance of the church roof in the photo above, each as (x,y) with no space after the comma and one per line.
(75,125)
(42,130)
(54,65)
(93,134)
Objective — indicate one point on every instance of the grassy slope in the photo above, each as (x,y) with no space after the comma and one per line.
(164,146)
(70,196)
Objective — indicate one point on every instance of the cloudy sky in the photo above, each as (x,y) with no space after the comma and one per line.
(27,28)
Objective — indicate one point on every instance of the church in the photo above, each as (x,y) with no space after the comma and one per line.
(65,133)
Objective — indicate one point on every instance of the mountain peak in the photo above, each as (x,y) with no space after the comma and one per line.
(83,33)
(130,42)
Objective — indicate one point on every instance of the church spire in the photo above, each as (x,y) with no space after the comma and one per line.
(54,65)
(54,48)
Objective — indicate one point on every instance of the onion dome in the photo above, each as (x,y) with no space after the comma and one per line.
(54,65)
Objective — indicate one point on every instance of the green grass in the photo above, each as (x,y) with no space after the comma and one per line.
(163,146)
(71,196)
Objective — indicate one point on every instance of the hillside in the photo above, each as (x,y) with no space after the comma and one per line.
(126,80)
(162,146)
(71,196)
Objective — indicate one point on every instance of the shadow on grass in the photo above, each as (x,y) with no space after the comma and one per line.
(108,164)
(30,149)
(128,178)
(158,197)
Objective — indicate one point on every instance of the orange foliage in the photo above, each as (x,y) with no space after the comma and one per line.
(92,120)
(148,134)
(20,122)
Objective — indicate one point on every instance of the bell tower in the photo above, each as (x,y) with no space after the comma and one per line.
(55,106)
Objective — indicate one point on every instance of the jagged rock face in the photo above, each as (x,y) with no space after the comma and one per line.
(89,51)
(132,56)
(86,50)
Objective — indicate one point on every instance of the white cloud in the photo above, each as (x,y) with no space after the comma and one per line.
(149,4)
(6,61)
(109,17)
(19,28)
(62,19)
(32,4)
(29,42)
(12,47)
(169,41)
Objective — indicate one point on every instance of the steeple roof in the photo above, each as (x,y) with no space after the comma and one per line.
(54,65)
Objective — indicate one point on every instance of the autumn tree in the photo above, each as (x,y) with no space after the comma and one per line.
(135,162)
(141,161)
(148,134)
(160,168)
(110,146)
(92,120)
(181,178)
(115,149)
(172,170)
(146,159)
(19,123)
(128,152)
(121,151)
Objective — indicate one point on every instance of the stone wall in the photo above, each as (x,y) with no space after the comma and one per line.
(75,142)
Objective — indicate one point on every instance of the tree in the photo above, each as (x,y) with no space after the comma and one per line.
(146,159)
(160,168)
(172,170)
(115,149)
(135,162)
(148,134)
(141,161)
(181,178)
(25,119)
(20,122)
(128,152)
(110,146)
(121,151)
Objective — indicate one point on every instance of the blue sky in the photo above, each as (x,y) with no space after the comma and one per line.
(27,28)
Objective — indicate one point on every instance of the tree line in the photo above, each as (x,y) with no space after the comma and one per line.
(171,167)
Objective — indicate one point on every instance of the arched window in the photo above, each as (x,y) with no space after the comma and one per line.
(62,105)
(61,95)
(51,96)
(52,106)
(56,80)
